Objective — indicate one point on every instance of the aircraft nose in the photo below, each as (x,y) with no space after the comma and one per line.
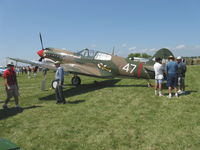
(40,52)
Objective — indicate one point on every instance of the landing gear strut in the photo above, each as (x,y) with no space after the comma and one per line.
(76,80)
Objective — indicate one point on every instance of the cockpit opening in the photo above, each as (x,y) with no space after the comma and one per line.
(92,54)
(87,53)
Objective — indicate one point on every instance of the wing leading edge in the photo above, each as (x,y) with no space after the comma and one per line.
(35,63)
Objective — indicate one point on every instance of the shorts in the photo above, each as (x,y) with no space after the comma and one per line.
(158,81)
(172,80)
(13,91)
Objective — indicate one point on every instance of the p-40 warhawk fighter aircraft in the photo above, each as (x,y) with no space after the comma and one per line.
(92,63)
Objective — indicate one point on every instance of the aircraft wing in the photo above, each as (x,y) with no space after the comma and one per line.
(35,63)
(70,68)
(85,70)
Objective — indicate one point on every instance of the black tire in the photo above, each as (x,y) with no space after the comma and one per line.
(76,81)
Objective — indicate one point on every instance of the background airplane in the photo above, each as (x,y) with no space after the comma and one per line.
(94,63)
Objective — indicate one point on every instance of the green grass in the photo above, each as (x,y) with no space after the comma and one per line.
(111,114)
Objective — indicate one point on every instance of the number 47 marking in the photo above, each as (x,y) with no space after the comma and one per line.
(128,67)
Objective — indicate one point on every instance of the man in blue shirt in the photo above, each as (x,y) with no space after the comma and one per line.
(171,71)
(59,76)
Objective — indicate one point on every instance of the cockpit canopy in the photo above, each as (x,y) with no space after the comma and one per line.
(92,54)
(87,53)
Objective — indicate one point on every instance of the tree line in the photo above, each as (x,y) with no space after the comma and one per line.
(193,60)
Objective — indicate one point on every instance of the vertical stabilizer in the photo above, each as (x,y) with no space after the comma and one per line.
(163,53)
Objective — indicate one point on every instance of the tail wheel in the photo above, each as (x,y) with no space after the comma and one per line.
(76,80)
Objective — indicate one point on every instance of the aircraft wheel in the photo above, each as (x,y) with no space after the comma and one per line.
(76,80)
(54,84)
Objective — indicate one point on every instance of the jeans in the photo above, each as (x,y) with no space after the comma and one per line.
(59,94)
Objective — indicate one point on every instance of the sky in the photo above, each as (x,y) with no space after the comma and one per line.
(130,26)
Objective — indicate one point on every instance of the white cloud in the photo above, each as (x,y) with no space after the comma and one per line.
(180,46)
(131,48)
(182,50)
(197,46)
(152,50)
(167,47)
(93,46)
(177,50)
(124,45)
(145,50)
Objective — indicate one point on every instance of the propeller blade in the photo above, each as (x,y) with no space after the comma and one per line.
(41,40)
(113,51)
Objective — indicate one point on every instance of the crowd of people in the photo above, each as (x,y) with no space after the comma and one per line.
(174,72)
(27,70)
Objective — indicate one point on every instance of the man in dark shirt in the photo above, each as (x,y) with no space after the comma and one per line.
(11,85)
(181,75)
(171,71)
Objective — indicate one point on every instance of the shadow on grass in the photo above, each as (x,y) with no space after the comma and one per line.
(2,101)
(189,92)
(136,85)
(180,95)
(164,86)
(5,113)
(76,102)
(85,88)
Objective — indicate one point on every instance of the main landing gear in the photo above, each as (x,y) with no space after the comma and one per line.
(76,80)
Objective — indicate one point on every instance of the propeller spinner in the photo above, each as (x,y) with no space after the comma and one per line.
(40,53)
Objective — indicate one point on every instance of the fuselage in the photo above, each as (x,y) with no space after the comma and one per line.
(98,64)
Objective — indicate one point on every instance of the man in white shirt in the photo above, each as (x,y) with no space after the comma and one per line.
(159,69)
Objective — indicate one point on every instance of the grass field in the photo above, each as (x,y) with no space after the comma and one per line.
(110,114)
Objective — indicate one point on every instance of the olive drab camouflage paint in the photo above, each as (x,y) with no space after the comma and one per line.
(95,63)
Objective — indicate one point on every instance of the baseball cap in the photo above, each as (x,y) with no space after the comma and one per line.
(179,57)
(171,57)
